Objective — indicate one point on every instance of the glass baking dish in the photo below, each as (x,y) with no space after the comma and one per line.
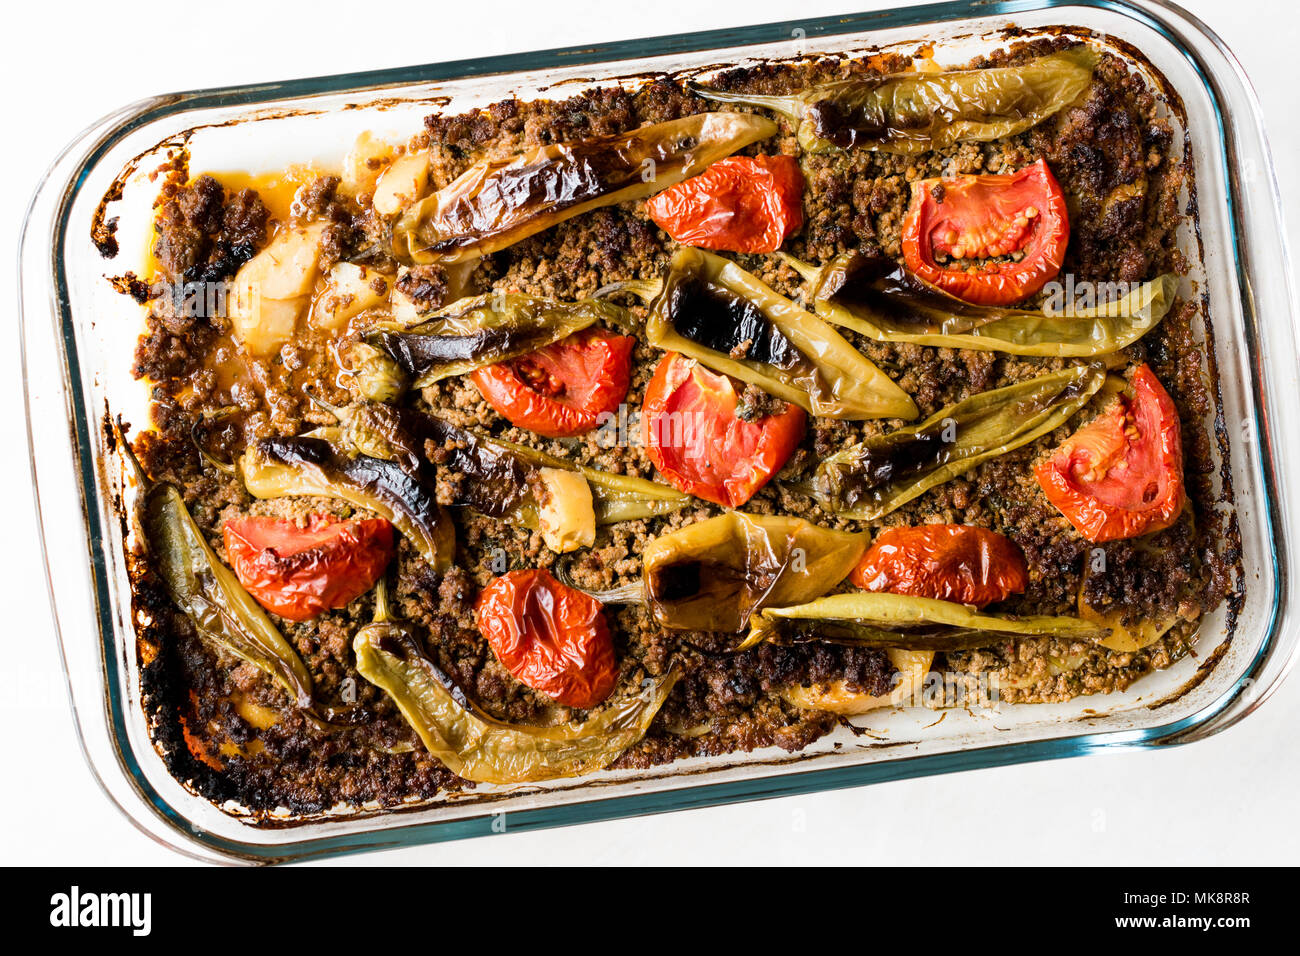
(77,337)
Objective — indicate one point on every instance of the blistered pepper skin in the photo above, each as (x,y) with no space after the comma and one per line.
(869,480)
(711,310)
(714,575)
(477,747)
(496,203)
(274,467)
(483,330)
(876,298)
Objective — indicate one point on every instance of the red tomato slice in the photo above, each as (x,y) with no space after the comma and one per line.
(299,572)
(976,219)
(951,562)
(698,444)
(550,636)
(561,390)
(1121,475)
(739,204)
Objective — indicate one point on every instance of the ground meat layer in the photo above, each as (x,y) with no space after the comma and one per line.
(224,726)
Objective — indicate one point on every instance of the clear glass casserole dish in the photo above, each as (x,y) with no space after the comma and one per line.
(78,335)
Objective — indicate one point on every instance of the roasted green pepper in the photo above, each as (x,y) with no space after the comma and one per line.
(714,575)
(871,479)
(500,477)
(274,467)
(713,311)
(617,497)
(881,301)
(476,746)
(486,329)
(496,203)
(372,374)
(881,619)
(915,112)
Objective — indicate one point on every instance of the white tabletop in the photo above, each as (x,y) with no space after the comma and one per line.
(1228,800)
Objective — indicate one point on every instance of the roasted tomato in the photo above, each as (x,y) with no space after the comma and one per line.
(990,240)
(740,204)
(561,390)
(698,442)
(1121,475)
(951,562)
(552,637)
(298,572)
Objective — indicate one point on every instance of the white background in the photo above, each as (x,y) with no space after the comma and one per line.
(1231,799)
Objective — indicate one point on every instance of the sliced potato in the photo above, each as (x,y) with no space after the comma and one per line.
(567,518)
(274,288)
(364,164)
(912,667)
(404,310)
(402,183)
(349,290)
(1122,638)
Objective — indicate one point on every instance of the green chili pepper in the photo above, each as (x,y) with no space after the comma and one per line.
(496,203)
(915,112)
(714,575)
(500,477)
(717,313)
(616,497)
(274,467)
(871,479)
(880,619)
(476,746)
(879,300)
(374,375)
(224,614)
(486,329)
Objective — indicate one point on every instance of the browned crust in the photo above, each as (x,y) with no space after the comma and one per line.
(1112,140)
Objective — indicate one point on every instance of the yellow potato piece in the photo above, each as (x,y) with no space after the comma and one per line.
(1121,638)
(364,164)
(912,667)
(274,288)
(402,183)
(349,290)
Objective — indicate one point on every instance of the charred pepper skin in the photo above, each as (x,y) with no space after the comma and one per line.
(711,310)
(875,297)
(496,203)
(910,622)
(869,480)
(486,329)
(274,467)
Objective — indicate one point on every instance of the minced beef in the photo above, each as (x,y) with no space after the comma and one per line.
(1112,155)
